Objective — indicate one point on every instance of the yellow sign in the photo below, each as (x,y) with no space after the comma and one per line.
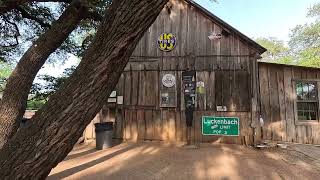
(167,42)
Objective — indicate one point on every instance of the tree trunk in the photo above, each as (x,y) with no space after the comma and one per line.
(54,129)
(15,95)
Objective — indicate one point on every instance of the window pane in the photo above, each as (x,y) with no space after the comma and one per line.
(301,106)
(305,87)
(313,116)
(299,90)
(301,116)
(307,110)
(312,94)
(306,90)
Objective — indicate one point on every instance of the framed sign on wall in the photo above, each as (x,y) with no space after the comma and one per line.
(221,126)
(168,94)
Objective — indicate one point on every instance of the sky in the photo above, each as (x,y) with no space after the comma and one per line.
(254,18)
(261,18)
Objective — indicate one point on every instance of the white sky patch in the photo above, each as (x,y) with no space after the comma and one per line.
(258,18)
(57,69)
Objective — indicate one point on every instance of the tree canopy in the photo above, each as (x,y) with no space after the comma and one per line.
(23,21)
(303,47)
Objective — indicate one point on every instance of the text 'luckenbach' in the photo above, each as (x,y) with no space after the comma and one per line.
(222,121)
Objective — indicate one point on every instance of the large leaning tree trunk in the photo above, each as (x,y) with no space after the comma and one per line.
(15,95)
(52,132)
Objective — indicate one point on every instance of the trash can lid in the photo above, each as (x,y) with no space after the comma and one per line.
(104,126)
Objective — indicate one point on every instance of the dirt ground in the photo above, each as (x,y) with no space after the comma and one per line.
(155,160)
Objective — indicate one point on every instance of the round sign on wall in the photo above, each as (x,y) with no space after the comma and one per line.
(168,80)
(167,42)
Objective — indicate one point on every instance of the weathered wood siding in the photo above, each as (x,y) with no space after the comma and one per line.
(277,103)
(227,67)
(141,118)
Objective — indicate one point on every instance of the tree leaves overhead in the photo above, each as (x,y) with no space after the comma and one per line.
(305,36)
(314,11)
(22,25)
(42,91)
(303,47)
(276,48)
(305,40)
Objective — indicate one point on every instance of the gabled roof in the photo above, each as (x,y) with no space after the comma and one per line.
(227,26)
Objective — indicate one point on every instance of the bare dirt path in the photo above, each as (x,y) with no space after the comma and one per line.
(160,161)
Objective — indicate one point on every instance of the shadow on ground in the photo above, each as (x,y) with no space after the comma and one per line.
(155,160)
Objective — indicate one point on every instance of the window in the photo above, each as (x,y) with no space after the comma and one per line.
(307,100)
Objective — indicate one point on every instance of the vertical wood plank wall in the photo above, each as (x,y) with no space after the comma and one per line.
(140,117)
(277,103)
(270,87)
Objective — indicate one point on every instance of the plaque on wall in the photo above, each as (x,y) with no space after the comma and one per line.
(221,108)
(168,80)
(168,92)
(200,87)
(168,99)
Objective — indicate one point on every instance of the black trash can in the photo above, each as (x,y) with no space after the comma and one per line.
(104,133)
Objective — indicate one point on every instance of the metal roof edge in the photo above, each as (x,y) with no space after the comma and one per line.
(287,65)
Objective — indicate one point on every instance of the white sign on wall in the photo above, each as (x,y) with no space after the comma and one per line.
(214,36)
(221,108)
(168,80)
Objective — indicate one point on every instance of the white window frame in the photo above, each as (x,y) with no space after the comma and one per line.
(306,122)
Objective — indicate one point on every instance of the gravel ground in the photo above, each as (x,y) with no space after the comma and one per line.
(155,160)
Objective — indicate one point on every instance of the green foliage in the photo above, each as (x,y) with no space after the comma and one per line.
(21,26)
(40,93)
(286,60)
(314,11)
(35,104)
(305,36)
(276,49)
(5,71)
(305,40)
(310,57)
(304,44)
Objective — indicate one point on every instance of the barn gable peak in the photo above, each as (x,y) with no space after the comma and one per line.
(226,27)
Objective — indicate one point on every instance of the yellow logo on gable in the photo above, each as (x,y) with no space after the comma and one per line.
(167,42)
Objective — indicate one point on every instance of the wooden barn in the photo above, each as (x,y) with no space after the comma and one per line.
(190,57)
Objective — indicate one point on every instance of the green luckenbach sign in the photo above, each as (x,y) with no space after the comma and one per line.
(222,126)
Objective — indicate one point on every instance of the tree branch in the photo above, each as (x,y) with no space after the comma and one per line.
(8,5)
(94,16)
(25,14)
(17,34)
